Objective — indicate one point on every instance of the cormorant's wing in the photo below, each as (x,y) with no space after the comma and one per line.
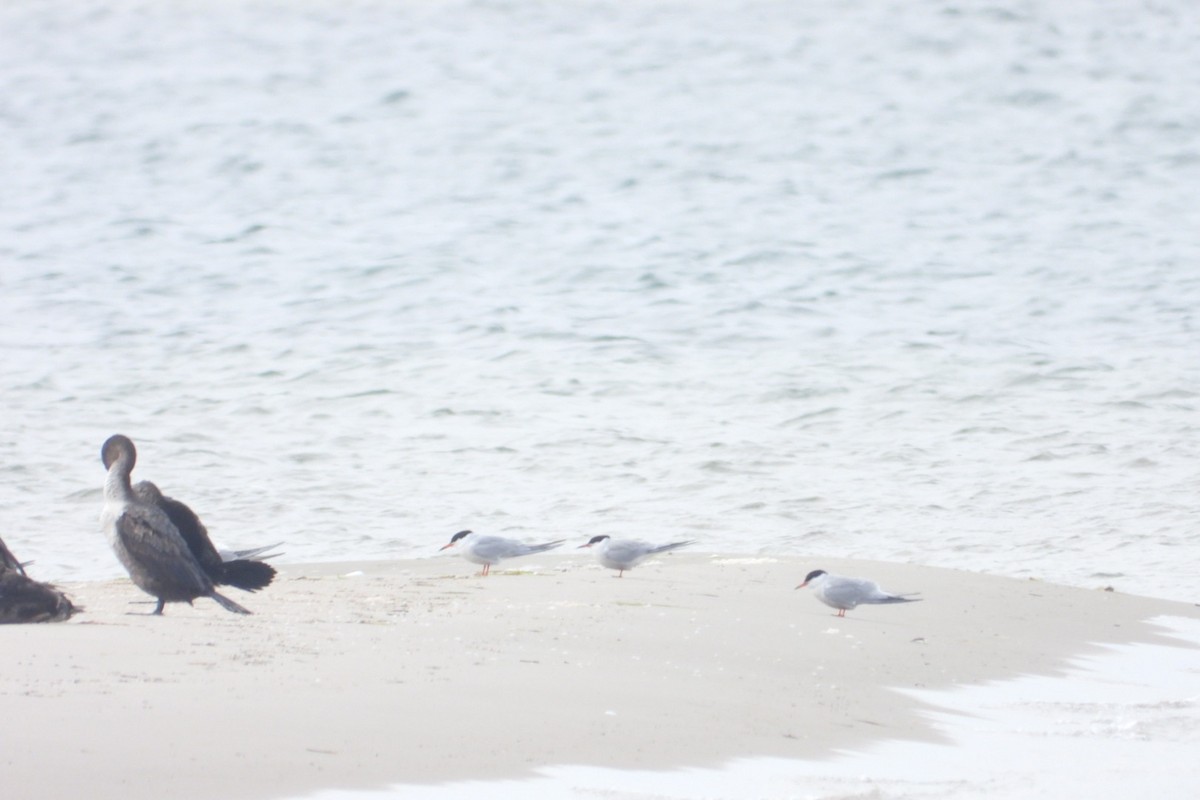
(194,534)
(157,548)
(9,561)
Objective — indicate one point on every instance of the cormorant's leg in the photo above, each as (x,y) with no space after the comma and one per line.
(158,609)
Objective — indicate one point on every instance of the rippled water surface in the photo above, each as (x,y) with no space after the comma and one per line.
(906,281)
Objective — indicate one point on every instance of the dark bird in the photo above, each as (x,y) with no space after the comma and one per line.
(146,542)
(250,574)
(9,561)
(23,599)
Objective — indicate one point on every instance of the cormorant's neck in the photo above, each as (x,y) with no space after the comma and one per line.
(117,484)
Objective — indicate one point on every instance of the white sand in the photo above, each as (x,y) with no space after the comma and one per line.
(364,675)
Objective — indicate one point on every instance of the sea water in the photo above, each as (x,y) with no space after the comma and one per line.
(911,281)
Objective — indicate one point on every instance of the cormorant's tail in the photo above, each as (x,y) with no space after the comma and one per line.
(228,604)
(541,548)
(664,548)
(246,574)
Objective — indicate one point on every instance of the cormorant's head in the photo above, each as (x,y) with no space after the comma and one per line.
(116,446)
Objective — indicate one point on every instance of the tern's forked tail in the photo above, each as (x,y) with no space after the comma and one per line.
(900,598)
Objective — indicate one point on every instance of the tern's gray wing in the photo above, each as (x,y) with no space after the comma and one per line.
(541,548)
(627,551)
(662,548)
(251,554)
(497,547)
(848,592)
(884,597)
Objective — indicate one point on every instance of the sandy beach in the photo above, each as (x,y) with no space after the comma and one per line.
(361,675)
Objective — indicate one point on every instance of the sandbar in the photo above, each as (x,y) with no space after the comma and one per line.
(362,675)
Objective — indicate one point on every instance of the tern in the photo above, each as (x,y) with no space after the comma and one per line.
(844,594)
(623,554)
(491,550)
